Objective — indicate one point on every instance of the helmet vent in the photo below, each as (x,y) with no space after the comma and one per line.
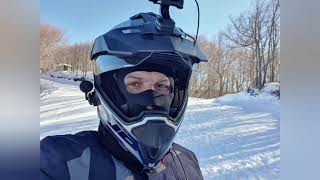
(128,31)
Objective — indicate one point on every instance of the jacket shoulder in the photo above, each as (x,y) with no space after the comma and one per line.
(80,139)
(56,151)
(180,149)
(68,144)
(189,161)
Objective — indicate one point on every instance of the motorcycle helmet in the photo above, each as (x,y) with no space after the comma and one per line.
(144,123)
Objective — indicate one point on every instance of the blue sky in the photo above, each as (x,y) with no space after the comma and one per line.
(84,20)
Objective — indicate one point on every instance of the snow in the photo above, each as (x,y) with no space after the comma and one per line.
(67,76)
(271,87)
(236,136)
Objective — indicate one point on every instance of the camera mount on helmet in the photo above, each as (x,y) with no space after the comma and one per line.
(176,3)
(165,23)
(86,87)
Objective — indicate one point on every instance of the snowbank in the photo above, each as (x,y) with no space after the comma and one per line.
(67,77)
(70,75)
(272,88)
(263,100)
(266,94)
(246,97)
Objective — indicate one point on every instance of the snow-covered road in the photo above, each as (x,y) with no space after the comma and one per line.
(234,137)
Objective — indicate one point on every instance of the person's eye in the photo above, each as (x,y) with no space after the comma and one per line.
(163,87)
(133,84)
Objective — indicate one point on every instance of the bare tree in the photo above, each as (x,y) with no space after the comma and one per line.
(50,38)
(273,39)
(258,30)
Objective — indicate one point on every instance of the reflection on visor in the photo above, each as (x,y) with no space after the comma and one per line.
(105,63)
(140,81)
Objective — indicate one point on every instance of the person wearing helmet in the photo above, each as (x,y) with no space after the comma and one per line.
(141,79)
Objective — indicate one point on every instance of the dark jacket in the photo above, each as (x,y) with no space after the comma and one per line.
(95,155)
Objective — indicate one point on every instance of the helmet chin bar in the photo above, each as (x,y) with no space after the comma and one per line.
(124,132)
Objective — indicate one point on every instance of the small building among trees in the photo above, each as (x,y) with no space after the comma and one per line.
(63,67)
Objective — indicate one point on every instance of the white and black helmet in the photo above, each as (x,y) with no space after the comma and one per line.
(145,124)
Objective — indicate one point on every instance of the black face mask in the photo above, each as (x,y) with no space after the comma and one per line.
(146,101)
(150,101)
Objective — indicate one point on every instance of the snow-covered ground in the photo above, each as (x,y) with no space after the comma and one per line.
(236,136)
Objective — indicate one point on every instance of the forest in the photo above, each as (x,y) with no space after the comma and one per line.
(243,55)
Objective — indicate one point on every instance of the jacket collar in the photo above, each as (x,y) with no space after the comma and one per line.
(110,143)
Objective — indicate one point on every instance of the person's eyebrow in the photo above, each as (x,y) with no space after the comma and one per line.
(164,80)
(133,76)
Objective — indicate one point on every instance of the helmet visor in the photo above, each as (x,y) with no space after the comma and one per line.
(139,81)
(158,83)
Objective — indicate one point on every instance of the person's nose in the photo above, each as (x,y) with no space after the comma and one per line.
(151,86)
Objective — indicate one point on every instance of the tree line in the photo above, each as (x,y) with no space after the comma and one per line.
(54,51)
(245,54)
